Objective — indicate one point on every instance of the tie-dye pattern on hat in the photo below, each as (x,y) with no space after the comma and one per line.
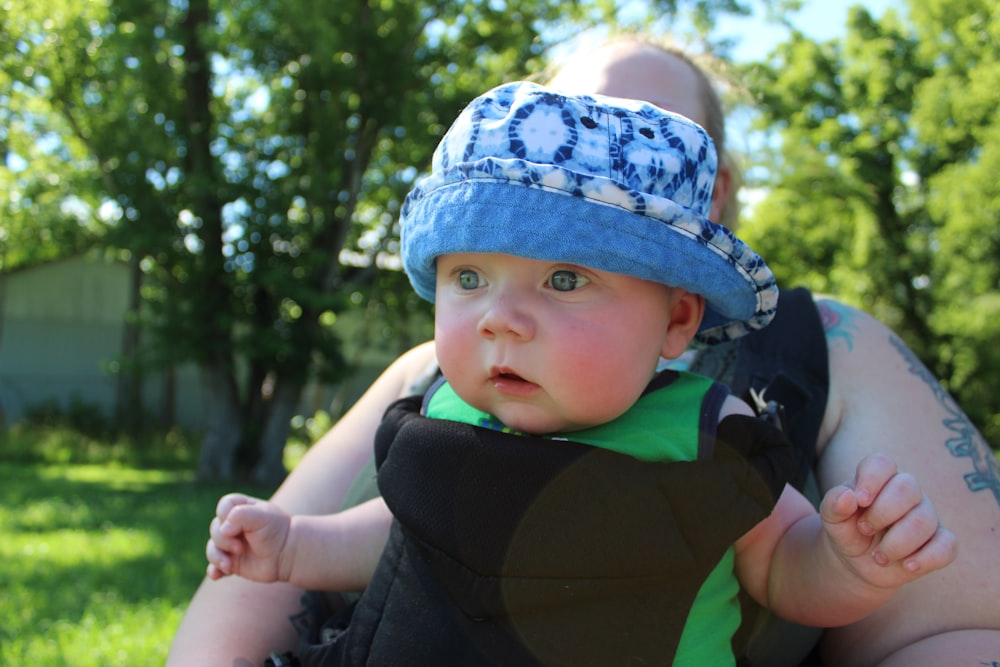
(611,184)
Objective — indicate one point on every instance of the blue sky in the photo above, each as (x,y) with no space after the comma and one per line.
(820,19)
(755,36)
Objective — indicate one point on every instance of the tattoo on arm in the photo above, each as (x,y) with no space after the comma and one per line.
(301,621)
(840,325)
(838,322)
(313,609)
(966,442)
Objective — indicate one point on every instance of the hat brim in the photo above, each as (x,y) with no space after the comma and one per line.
(677,247)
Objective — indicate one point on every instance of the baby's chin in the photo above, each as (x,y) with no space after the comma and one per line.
(541,424)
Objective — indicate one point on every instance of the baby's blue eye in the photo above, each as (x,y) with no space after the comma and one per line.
(468,279)
(567,281)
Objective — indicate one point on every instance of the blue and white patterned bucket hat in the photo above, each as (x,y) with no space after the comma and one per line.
(611,184)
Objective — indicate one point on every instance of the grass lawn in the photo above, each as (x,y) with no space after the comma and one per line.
(98,562)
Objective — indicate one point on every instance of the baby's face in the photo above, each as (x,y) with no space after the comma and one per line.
(543,346)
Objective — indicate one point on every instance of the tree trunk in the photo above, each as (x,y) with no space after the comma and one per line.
(270,468)
(223,424)
(167,415)
(129,407)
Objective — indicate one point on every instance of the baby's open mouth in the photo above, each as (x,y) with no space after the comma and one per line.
(511,384)
(506,381)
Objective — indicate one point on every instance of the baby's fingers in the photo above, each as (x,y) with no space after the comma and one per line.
(226,536)
(917,541)
(839,504)
(899,498)
(229,501)
(838,510)
(940,551)
(219,563)
(872,474)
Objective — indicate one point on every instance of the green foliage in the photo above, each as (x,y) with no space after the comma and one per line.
(79,415)
(879,170)
(99,562)
(250,158)
(47,190)
(57,436)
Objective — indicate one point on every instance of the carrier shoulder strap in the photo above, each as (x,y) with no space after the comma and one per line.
(785,367)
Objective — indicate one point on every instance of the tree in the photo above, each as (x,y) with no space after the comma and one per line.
(956,120)
(876,169)
(239,143)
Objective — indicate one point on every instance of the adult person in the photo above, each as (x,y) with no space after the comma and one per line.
(879,398)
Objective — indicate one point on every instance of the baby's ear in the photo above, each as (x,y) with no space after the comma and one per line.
(686,313)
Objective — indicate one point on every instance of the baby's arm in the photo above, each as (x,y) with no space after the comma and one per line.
(837,566)
(259,541)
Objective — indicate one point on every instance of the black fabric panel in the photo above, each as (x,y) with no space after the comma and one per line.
(549,552)
(766,448)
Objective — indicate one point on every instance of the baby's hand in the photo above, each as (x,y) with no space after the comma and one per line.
(247,538)
(883,527)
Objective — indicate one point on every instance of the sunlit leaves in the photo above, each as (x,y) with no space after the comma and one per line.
(881,181)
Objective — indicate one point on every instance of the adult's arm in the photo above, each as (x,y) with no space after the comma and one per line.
(235,622)
(882,399)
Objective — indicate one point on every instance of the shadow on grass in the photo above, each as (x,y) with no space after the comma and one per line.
(77,538)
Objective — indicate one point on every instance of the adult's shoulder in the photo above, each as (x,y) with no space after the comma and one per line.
(868,363)
(417,367)
(849,330)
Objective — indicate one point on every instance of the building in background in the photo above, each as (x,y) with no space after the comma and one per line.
(62,338)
